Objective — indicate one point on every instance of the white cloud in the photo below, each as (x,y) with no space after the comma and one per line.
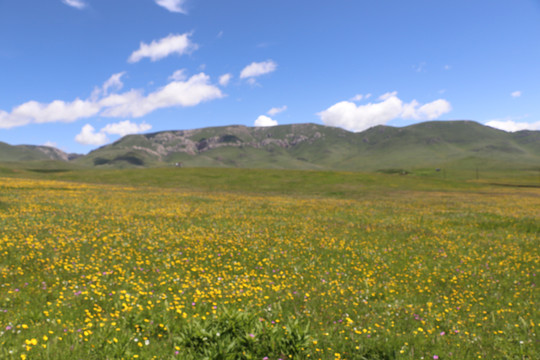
(51,144)
(224,79)
(116,100)
(134,103)
(89,136)
(265,121)
(357,118)
(114,82)
(126,127)
(433,110)
(516,94)
(8,121)
(156,50)
(348,115)
(258,68)
(512,126)
(276,110)
(177,93)
(388,95)
(179,75)
(447,67)
(360,97)
(429,111)
(79,4)
(172,5)
(56,111)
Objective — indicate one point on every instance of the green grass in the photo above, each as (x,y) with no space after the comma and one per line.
(171,263)
(279,181)
(256,181)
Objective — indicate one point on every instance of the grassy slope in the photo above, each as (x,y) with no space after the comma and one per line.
(439,143)
(455,146)
(20,153)
(427,145)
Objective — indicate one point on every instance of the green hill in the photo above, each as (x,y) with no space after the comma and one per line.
(32,153)
(457,146)
(434,144)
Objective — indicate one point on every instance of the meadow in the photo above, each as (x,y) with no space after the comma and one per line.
(328,266)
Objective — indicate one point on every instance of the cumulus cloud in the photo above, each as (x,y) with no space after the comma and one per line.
(56,111)
(172,5)
(179,75)
(134,103)
(257,69)
(429,111)
(7,121)
(512,126)
(347,115)
(50,144)
(126,127)
(350,116)
(516,94)
(177,93)
(276,110)
(224,79)
(158,49)
(78,4)
(265,121)
(89,136)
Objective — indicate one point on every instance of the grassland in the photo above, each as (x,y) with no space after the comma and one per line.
(265,264)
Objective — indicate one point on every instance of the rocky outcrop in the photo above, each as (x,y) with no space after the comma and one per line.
(194,142)
(52,152)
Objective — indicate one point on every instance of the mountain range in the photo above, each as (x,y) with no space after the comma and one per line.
(307,146)
(33,153)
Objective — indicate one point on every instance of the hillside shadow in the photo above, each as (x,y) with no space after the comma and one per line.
(47,171)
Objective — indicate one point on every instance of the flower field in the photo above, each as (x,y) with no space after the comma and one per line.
(117,272)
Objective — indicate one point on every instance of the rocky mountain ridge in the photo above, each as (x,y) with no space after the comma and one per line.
(163,144)
(33,153)
(306,146)
(312,146)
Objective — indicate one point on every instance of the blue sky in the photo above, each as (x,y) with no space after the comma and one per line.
(77,74)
